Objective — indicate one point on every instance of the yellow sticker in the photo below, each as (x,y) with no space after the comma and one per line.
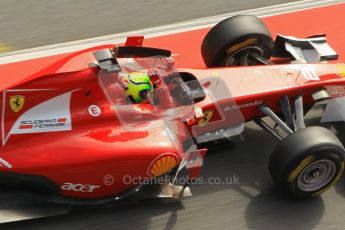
(17,102)
(300,167)
(248,42)
(340,69)
(206,118)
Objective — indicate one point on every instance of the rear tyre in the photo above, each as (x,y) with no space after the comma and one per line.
(233,38)
(308,162)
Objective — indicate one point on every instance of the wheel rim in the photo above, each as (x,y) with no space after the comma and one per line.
(242,57)
(316,175)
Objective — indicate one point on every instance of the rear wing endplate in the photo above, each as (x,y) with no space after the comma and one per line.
(311,49)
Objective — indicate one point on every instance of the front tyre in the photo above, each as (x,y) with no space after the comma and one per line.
(233,42)
(308,162)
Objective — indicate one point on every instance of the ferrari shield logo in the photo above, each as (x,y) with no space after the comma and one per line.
(206,118)
(17,102)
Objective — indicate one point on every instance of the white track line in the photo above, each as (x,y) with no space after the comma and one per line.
(43,51)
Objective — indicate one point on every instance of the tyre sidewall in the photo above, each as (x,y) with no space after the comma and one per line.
(291,152)
(290,178)
(260,42)
(231,32)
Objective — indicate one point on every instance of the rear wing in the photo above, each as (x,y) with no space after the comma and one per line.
(311,49)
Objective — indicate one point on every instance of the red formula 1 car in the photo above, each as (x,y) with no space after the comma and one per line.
(72,132)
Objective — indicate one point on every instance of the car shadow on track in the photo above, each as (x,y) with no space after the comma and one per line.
(271,211)
(340,131)
(129,216)
(269,208)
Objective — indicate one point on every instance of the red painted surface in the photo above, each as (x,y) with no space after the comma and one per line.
(99,146)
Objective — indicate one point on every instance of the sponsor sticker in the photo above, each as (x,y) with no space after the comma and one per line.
(162,164)
(52,115)
(94,110)
(309,74)
(206,118)
(241,106)
(17,102)
(336,91)
(79,187)
(43,124)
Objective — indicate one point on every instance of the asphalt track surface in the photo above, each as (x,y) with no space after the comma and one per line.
(253,204)
(27,24)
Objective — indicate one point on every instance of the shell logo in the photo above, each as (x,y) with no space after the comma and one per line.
(162,164)
(340,69)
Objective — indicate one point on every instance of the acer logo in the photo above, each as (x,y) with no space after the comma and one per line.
(79,187)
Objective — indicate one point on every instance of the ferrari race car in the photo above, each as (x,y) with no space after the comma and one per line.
(70,131)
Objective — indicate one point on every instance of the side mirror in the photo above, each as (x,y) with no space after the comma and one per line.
(106,60)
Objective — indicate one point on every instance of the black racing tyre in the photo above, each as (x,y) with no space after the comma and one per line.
(307,163)
(242,33)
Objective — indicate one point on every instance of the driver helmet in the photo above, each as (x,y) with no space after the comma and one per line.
(137,86)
